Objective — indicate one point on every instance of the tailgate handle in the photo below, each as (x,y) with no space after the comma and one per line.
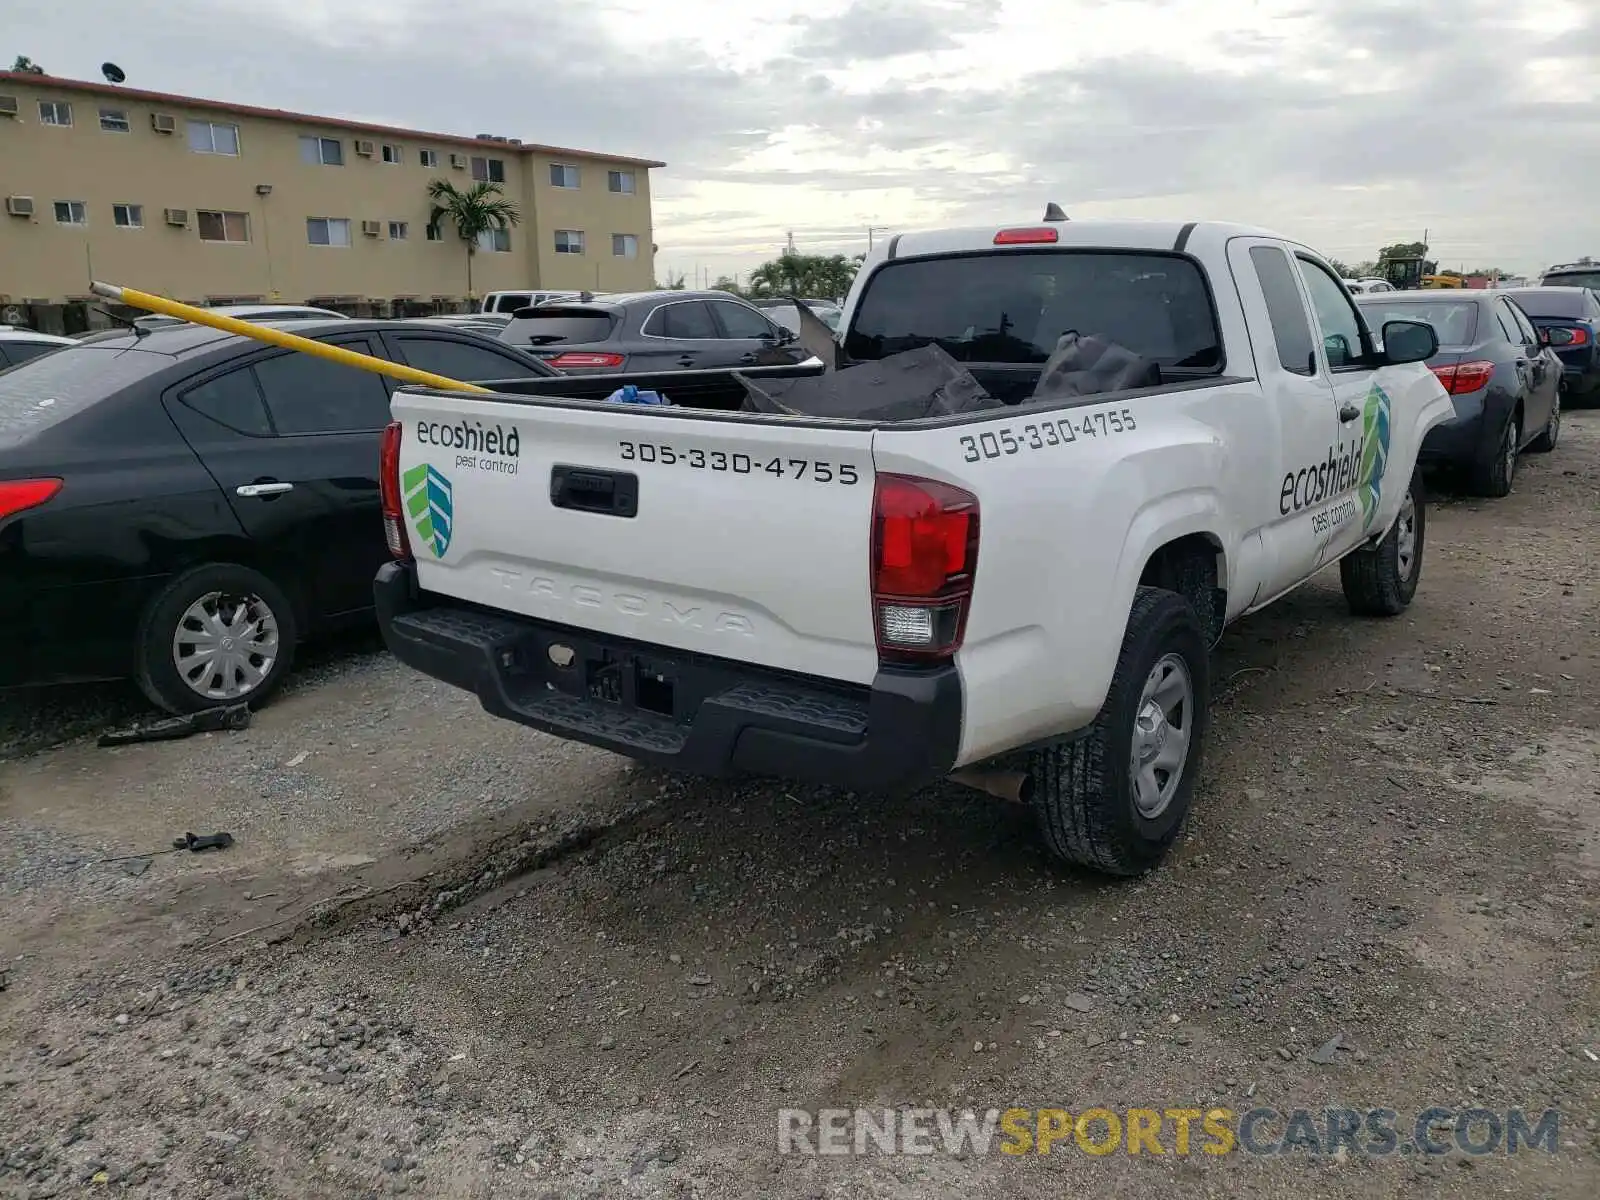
(584,489)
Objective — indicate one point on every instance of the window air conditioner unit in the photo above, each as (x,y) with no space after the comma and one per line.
(458,161)
(178,216)
(164,122)
(364,148)
(19,206)
(8,106)
(372,228)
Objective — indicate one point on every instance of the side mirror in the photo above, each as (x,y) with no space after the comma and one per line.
(785,336)
(1408,342)
(1337,348)
(1544,337)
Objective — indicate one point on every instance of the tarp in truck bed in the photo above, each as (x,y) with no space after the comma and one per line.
(928,382)
(925,382)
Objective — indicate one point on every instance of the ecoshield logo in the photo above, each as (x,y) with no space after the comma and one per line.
(429,504)
(1374,451)
(1357,465)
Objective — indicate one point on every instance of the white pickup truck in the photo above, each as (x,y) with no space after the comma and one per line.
(1024,597)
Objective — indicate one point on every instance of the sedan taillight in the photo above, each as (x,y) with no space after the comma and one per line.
(19,494)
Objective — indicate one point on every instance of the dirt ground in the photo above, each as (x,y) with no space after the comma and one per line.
(451,957)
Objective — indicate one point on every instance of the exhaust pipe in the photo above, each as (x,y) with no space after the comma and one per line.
(1015,786)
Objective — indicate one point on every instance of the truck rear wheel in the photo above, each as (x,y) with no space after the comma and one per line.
(1115,799)
(1379,581)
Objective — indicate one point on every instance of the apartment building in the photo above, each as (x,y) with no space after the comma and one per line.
(206,201)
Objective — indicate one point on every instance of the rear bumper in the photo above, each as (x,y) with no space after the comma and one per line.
(705,715)
(1467,437)
(1580,381)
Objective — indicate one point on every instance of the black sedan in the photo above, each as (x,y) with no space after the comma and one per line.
(1570,317)
(182,506)
(653,331)
(1501,375)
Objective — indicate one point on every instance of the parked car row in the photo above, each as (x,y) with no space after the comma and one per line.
(1506,358)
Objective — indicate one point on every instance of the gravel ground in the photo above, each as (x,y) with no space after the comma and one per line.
(450,957)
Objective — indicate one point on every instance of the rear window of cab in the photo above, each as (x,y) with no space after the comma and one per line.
(1012,308)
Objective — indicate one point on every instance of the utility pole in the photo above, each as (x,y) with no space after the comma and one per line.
(789,247)
(872,229)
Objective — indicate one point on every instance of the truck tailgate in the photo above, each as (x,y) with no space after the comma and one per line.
(743,537)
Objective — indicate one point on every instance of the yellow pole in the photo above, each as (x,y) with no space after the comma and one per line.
(278,337)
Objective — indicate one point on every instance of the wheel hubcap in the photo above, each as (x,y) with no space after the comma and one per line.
(1161,730)
(1406,537)
(225,646)
(1555,419)
(1512,437)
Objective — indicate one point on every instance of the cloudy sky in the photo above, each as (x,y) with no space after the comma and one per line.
(1345,124)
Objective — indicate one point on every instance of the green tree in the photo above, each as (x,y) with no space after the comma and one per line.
(26,65)
(724,284)
(674,283)
(822,277)
(480,209)
(1342,268)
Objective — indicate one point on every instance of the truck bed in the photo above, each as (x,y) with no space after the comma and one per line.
(718,390)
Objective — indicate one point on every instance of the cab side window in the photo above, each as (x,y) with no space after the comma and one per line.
(1337,319)
(1285,310)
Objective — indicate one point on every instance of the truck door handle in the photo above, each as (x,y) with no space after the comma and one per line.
(686,360)
(1348,412)
(586,489)
(264,488)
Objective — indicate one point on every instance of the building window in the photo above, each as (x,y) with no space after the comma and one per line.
(399,231)
(489,170)
(127,216)
(428,158)
(495,239)
(213,137)
(392,154)
(322,152)
(620,181)
(625,245)
(72,212)
(114,120)
(222,226)
(328,231)
(435,234)
(55,112)
(563,176)
(569,241)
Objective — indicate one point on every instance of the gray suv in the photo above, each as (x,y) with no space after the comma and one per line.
(648,332)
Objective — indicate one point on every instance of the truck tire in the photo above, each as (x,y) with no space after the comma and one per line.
(1114,799)
(216,635)
(1379,581)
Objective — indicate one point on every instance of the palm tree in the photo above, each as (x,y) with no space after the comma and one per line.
(474,212)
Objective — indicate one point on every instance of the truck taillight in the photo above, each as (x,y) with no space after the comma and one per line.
(394,518)
(19,494)
(924,556)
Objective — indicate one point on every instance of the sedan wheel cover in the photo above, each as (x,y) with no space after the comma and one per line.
(225,645)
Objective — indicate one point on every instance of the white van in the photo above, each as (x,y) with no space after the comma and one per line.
(506,302)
